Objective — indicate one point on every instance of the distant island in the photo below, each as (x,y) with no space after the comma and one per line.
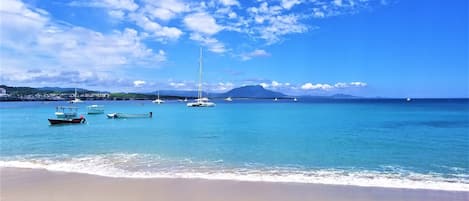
(10,93)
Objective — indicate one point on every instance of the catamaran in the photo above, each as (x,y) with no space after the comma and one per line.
(158,100)
(200,101)
(76,100)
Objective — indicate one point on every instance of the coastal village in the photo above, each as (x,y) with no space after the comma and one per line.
(47,95)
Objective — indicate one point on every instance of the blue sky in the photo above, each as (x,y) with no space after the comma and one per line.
(370,48)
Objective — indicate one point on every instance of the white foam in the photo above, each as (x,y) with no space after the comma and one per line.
(130,166)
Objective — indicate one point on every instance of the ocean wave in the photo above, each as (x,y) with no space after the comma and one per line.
(125,165)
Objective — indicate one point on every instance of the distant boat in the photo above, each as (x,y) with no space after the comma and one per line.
(200,101)
(95,109)
(276,99)
(65,112)
(76,100)
(295,99)
(185,99)
(124,115)
(408,99)
(158,100)
(228,99)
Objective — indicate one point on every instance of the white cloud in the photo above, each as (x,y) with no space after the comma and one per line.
(177,85)
(117,14)
(211,43)
(265,85)
(202,23)
(310,86)
(339,85)
(129,5)
(229,2)
(288,4)
(358,84)
(338,2)
(65,53)
(139,83)
(161,33)
(255,53)
(232,15)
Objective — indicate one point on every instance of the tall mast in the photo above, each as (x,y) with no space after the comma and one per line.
(200,75)
(75,93)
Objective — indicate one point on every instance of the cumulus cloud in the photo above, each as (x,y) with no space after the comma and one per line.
(229,2)
(57,48)
(139,83)
(339,85)
(202,23)
(287,4)
(310,86)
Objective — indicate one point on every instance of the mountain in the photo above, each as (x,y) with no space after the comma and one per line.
(343,96)
(252,91)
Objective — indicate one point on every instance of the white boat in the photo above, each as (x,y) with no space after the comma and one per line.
(125,115)
(201,101)
(185,99)
(95,109)
(229,99)
(295,99)
(276,99)
(65,112)
(76,100)
(158,100)
(408,99)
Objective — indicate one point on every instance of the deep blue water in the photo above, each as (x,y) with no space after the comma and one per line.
(393,143)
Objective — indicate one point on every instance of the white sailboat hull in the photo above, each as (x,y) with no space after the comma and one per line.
(201,104)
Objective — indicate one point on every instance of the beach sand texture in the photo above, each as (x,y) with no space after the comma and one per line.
(42,185)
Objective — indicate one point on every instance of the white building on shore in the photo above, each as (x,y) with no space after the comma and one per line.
(3,92)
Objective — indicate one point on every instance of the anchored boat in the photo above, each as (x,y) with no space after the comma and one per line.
(200,101)
(67,121)
(65,112)
(124,115)
(95,109)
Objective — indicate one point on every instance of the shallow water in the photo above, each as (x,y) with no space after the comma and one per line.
(391,143)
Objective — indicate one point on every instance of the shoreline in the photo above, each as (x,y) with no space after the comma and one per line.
(41,184)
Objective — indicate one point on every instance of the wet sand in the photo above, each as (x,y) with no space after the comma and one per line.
(17,184)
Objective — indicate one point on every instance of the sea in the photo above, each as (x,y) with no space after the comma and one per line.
(420,144)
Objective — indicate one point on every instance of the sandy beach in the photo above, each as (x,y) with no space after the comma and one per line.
(34,184)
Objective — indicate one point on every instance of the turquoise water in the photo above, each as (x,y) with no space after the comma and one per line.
(389,143)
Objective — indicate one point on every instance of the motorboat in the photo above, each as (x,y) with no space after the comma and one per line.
(95,109)
(80,120)
(276,99)
(229,99)
(200,101)
(295,99)
(65,112)
(125,115)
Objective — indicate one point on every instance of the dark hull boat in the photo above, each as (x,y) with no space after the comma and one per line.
(67,121)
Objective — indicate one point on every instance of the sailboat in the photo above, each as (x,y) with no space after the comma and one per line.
(200,101)
(158,100)
(76,100)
